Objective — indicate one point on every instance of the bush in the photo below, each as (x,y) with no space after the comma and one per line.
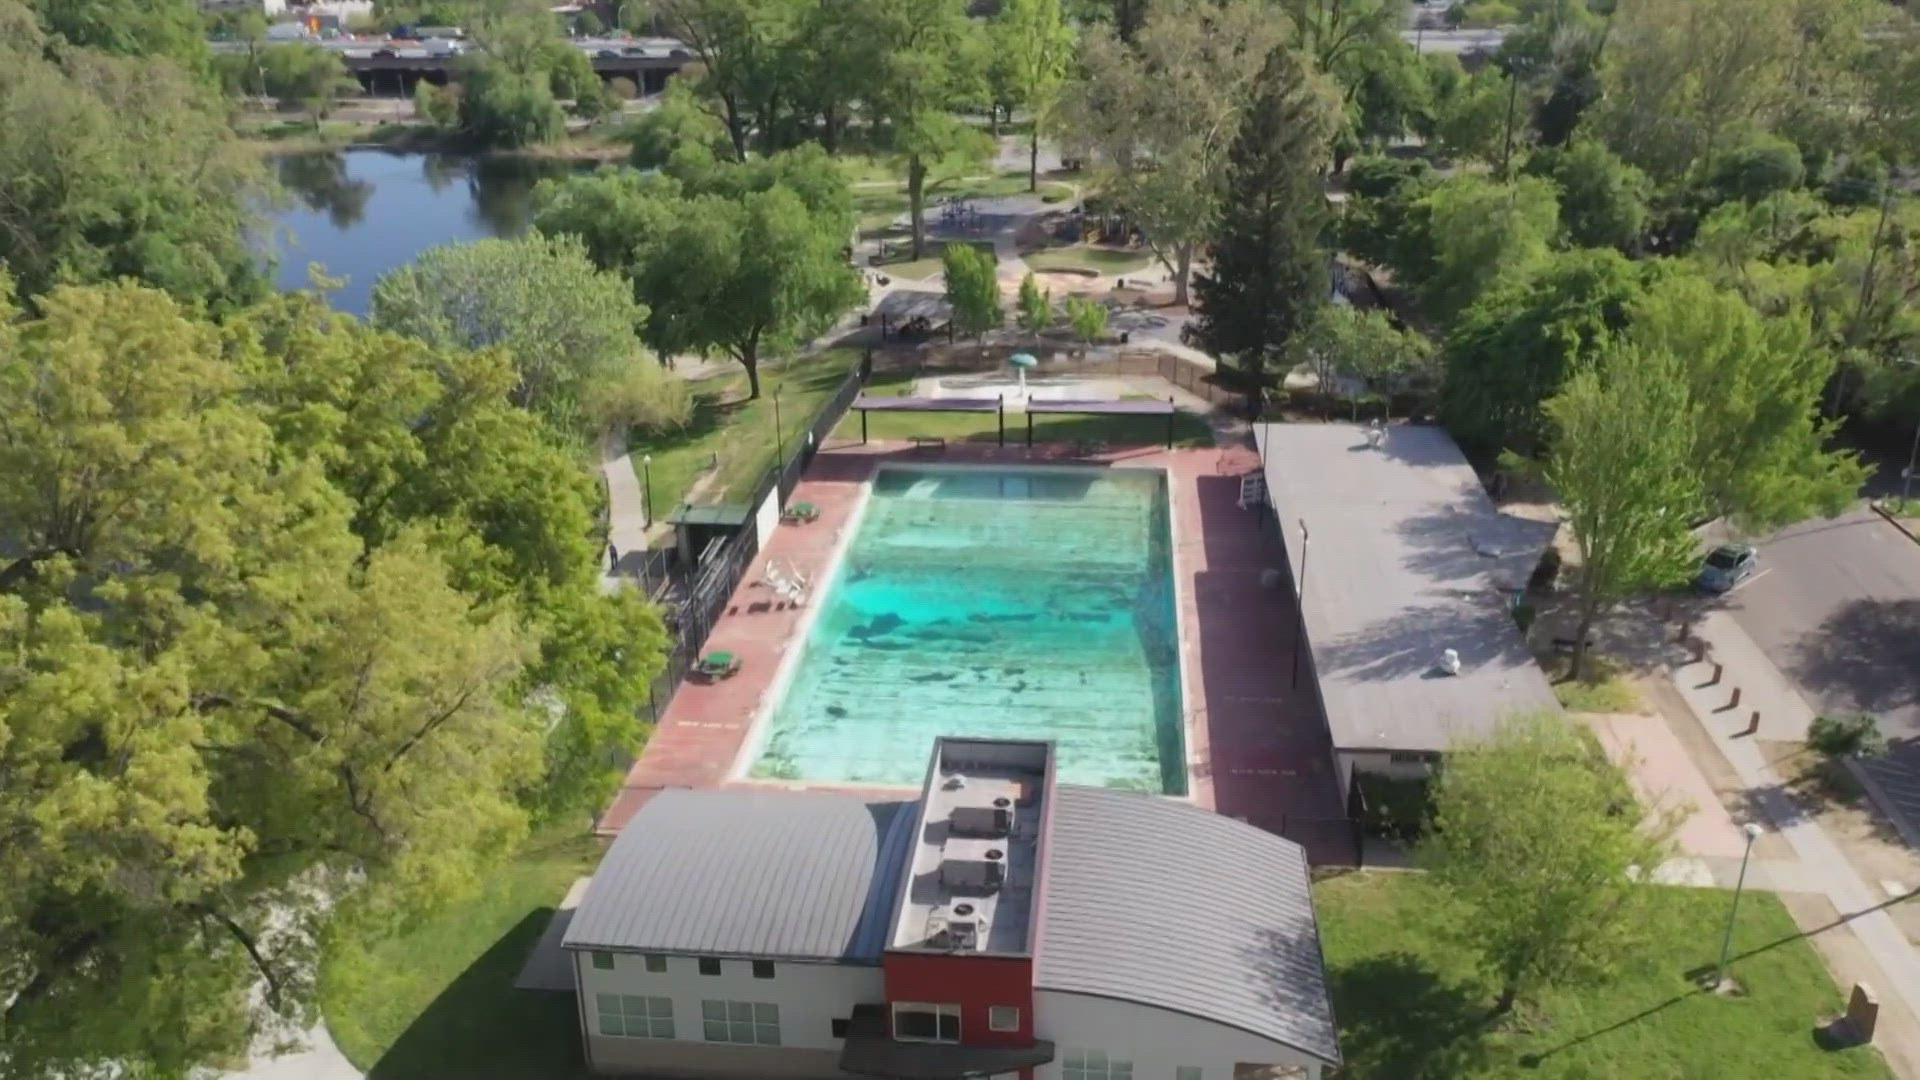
(644,395)
(1847,734)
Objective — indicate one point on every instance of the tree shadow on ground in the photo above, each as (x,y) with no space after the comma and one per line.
(1400,1020)
(481,1028)
(1864,656)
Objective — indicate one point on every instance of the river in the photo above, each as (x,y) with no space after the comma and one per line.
(360,213)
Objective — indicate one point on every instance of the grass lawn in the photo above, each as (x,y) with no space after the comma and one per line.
(1410,1006)
(1603,689)
(1102,260)
(1188,429)
(878,207)
(437,999)
(737,435)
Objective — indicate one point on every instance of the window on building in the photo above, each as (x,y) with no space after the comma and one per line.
(630,1016)
(1094,1065)
(603,960)
(751,1023)
(709,965)
(921,1022)
(656,964)
(1003,1018)
(763,969)
(1187,1072)
(1407,757)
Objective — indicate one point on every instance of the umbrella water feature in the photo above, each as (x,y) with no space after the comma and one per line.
(1020,362)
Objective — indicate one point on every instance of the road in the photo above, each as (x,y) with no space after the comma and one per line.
(1836,606)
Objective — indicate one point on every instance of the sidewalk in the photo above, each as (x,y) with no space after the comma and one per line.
(1784,715)
(626,506)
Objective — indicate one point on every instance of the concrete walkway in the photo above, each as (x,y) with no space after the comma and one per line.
(1785,715)
(626,510)
(318,1059)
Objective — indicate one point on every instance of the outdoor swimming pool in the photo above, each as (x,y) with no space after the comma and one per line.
(1026,603)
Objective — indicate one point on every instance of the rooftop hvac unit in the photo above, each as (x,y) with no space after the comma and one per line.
(984,874)
(982,821)
(955,927)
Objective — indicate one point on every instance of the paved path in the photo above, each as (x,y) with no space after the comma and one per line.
(320,1060)
(626,510)
(1862,908)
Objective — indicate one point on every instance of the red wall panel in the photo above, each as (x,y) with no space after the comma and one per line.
(972,982)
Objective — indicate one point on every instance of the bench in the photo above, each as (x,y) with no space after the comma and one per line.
(929,443)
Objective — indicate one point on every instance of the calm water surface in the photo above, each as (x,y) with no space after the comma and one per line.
(361,213)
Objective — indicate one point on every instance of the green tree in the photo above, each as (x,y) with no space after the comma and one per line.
(502,108)
(437,105)
(1485,234)
(677,121)
(1512,349)
(1678,78)
(1088,317)
(1034,38)
(973,288)
(1753,386)
(1622,458)
(146,29)
(742,260)
(1603,200)
(588,23)
(1332,32)
(1762,166)
(1533,863)
(567,326)
(224,711)
(925,71)
(743,47)
(1158,114)
(1351,351)
(1036,307)
(306,75)
(119,167)
(1267,275)
(1470,123)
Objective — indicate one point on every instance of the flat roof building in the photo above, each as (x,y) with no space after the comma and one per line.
(1397,555)
(998,925)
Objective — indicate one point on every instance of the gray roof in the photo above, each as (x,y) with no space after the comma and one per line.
(1407,557)
(779,875)
(1160,902)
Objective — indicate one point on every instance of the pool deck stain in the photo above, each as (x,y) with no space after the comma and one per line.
(1257,747)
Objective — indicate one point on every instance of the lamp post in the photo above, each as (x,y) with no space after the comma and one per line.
(1913,455)
(1300,601)
(779,440)
(1726,942)
(646,485)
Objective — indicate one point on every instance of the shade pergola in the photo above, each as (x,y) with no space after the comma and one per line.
(865,404)
(1145,407)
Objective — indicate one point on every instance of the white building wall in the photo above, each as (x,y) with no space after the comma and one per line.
(1157,1041)
(810,996)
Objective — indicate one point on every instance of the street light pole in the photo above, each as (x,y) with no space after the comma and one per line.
(646,484)
(1906,478)
(779,440)
(1300,601)
(1726,942)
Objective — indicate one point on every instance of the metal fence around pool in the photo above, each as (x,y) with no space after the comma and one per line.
(692,598)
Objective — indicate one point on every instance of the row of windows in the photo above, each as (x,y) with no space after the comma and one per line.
(1096,1065)
(920,1021)
(635,1016)
(756,1023)
(709,965)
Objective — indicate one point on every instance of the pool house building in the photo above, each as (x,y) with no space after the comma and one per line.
(1406,576)
(1001,923)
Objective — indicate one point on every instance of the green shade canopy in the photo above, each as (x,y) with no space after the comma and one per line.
(1023,360)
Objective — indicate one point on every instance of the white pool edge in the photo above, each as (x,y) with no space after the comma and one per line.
(795,645)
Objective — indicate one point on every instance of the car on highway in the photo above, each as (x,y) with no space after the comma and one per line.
(1727,566)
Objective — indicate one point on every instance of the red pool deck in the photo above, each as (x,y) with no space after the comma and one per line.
(1257,747)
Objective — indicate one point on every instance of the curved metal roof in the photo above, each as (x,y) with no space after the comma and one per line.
(1159,902)
(779,875)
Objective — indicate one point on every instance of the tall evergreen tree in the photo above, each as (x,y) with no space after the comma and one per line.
(1268,272)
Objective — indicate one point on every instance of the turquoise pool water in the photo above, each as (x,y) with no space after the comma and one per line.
(1000,603)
